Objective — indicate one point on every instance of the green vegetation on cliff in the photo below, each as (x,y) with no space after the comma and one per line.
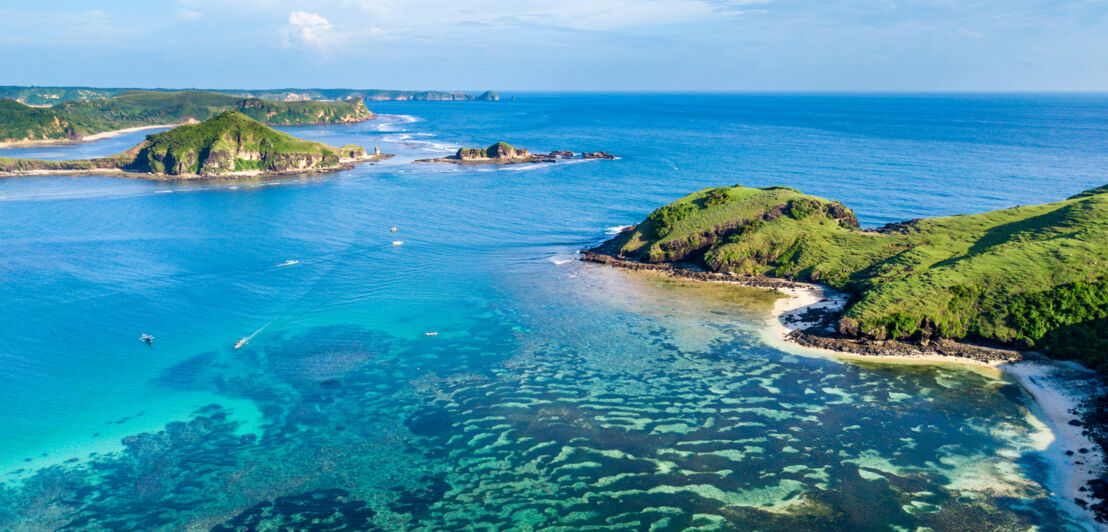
(74,119)
(19,122)
(230,143)
(1034,275)
(500,150)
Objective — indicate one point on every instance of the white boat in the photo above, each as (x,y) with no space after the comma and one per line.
(397,242)
(289,262)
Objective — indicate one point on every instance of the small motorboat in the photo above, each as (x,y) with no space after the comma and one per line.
(289,262)
(147,339)
(240,343)
(397,242)
(431,333)
(394,229)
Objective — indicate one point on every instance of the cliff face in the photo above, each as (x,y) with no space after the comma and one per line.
(488,96)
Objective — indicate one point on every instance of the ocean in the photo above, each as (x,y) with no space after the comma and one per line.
(555,393)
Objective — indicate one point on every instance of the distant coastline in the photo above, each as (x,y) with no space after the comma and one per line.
(49,96)
(228,146)
(89,138)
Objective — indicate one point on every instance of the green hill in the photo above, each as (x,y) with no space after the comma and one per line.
(1034,276)
(75,119)
(230,144)
(19,122)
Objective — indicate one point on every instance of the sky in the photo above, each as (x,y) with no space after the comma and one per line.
(576,45)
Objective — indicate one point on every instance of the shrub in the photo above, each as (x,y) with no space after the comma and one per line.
(717,196)
(666,217)
(1035,315)
(802,208)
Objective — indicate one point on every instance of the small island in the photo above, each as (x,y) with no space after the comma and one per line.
(504,153)
(230,145)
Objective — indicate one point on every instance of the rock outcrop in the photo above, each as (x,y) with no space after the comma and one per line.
(504,153)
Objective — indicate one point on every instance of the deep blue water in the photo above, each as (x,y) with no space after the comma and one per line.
(554,392)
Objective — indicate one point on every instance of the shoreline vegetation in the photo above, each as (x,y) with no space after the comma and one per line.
(81,120)
(835,275)
(228,146)
(504,153)
(91,138)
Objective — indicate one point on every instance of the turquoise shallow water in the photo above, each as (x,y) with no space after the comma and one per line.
(555,393)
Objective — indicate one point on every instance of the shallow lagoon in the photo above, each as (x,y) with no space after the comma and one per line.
(556,393)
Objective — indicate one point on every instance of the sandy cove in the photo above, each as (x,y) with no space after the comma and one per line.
(89,138)
(1056,388)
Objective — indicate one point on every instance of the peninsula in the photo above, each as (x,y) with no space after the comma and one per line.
(74,121)
(229,145)
(504,153)
(1025,277)
(991,288)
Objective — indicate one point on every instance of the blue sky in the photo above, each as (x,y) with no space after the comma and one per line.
(695,45)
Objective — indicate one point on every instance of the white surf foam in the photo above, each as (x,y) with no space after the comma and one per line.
(616,229)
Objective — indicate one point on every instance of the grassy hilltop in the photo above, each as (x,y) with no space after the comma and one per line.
(76,119)
(229,144)
(1033,276)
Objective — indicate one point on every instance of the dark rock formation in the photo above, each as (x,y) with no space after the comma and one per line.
(504,153)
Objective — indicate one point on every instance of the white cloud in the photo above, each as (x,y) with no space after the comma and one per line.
(188,15)
(308,29)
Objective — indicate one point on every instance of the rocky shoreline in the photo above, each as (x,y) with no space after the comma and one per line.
(819,322)
(504,153)
(1078,418)
(345,164)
